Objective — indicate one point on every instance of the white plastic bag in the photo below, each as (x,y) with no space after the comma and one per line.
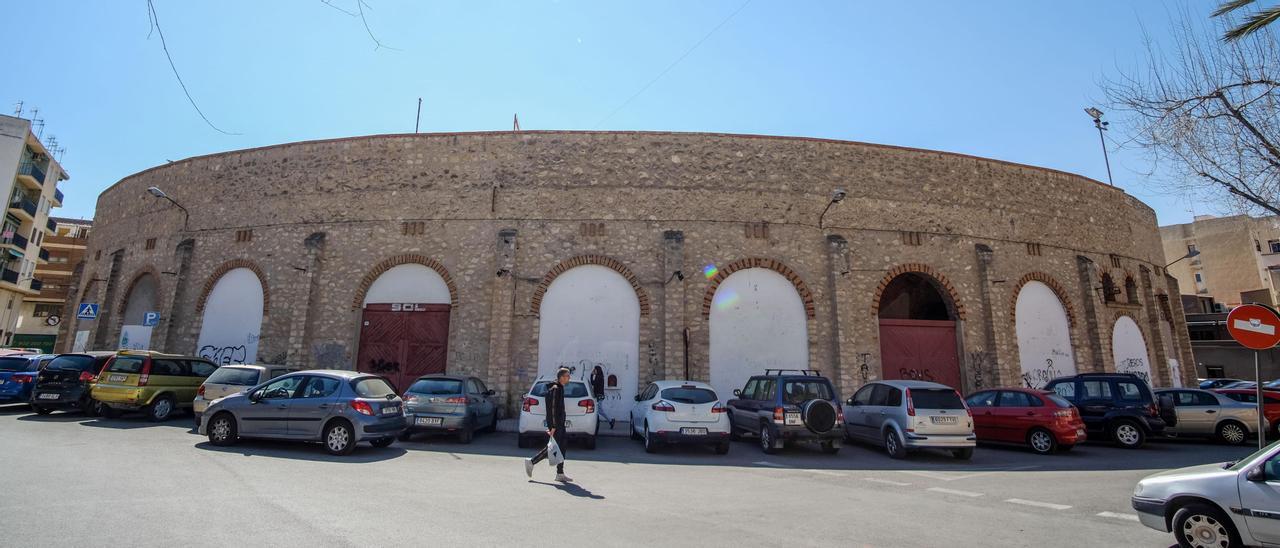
(554,456)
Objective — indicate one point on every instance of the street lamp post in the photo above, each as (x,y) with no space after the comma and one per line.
(186,215)
(1102,126)
(1190,254)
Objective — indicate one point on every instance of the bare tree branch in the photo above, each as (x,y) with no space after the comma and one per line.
(155,21)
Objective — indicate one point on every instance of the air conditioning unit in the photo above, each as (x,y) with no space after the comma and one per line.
(1219,308)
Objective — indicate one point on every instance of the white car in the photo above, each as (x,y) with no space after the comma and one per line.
(1222,505)
(233,379)
(581,420)
(683,412)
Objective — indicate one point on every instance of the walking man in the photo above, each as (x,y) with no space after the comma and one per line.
(555,425)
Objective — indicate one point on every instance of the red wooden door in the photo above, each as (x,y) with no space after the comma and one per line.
(403,341)
(923,350)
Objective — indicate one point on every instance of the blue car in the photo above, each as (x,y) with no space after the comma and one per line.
(18,376)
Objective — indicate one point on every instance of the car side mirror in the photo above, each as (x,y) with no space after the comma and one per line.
(1256,474)
(490,392)
(255,396)
(737,392)
(852,402)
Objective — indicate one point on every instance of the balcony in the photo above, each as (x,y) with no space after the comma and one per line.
(51,226)
(18,241)
(23,207)
(30,175)
(44,255)
(10,276)
(57,198)
(36,284)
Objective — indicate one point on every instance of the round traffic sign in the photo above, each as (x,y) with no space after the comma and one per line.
(1255,326)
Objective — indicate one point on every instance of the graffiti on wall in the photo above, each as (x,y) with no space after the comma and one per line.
(1037,377)
(230,327)
(223,355)
(980,364)
(1137,366)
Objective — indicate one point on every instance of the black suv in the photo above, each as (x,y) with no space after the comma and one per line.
(788,405)
(65,383)
(1118,405)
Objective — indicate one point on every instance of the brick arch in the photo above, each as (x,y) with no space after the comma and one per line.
(806,296)
(918,268)
(124,301)
(1053,284)
(391,262)
(607,262)
(228,267)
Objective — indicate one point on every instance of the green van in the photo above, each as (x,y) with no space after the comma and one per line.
(157,384)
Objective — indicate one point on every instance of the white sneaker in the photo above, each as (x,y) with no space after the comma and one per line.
(528,467)
(563,478)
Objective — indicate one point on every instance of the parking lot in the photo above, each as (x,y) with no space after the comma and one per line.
(75,480)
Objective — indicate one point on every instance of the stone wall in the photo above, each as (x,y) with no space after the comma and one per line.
(497,213)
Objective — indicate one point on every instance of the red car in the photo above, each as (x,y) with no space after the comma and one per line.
(1038,418)
(1270,403)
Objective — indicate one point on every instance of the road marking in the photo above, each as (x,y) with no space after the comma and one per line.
(828,473)
(954,492)
(887,482)
(1038,504)
(773,464)
(953,476)
(1114,515)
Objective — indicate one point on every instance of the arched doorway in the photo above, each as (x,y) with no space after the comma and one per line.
(232,320)
(1044,335)
(404,324)
(1129,348)
(588,317)
(757,321)
(138,319)
(918,331)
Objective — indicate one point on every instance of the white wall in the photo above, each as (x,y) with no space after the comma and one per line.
(589,316)
(1044,336)
(409,283)
(1129,349)
(232,319)
(757,322)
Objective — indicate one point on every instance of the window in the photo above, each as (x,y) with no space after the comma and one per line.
(282,388)
(895,398)
(936,398)
(1129,392)
(17,364)
(125,365)
(45,310)
(1215,371)
(97,254)
(245,235)
(151,243)
(1034,249)
(880,396)
(73,362)
(651,392)
(766,390)
(1095,390)
(472,387)
(913,238)
(982,399)
(757,231)
(1274,245)
(1108,288)
(800,391)
(1184,398)
(200,368)
(1014,399)
(1131,290)
(234,376)
(689,395)
(1271,469)
(413,228)
(166,368)
(320,387)
(480,385)
(591,229)
(1115,261)
(1199,279)
(748,393)
(1059,401)
(1257,245)
(863,396)
(433,387)
(574,389)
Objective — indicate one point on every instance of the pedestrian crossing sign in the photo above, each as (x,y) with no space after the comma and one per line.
(88,311)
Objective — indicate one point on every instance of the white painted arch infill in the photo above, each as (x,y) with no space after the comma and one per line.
(142,299)
(590,316)
(409,283)
(757,322)
(1044,335)
(232,319)
(1129,348)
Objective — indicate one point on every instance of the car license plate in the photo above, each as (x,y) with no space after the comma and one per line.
(117,378)
(792,419)
(943,420)
(428,421)
(390,409)
(693,431)
(48,396)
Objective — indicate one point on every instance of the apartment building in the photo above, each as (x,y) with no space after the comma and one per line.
(1231,260)
(29,176)
(42,314)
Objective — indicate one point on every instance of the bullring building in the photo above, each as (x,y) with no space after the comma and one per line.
(653,255)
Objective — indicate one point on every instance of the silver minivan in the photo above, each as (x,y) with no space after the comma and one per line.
(903,416)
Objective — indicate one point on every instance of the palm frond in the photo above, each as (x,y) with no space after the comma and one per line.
(1253,24)
(1230,6)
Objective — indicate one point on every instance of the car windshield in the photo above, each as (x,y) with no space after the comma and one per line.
(1238,465)
(574,389)
(238,376)
(373,387)
(17,364)
(126,365)
(689,395)
(71,362)
(800,391)
(935,398)
(436,386)
(1058,401)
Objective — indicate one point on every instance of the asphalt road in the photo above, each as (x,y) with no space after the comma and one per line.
(77,481)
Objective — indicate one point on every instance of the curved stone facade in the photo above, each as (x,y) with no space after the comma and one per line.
(501,215)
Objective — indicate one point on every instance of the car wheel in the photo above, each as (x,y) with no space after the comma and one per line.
(1232,433)
(635,434)
(222,430)
(493,423)
(734,433)
(722,448)
(1042,441)
(893,445)
(465,434)
(89,407)
(382,442)
(339,439)
(161,409)
(590,444)
(1127,434)
(650,444)
(41,410)
(830,447)
(107,412)
(962,454)
(767,442)
(1200,525)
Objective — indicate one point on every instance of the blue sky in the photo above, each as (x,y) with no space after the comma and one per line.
(1002,79)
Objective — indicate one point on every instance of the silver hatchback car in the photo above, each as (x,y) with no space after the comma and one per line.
(908,415)
(338,408)
(1205,413)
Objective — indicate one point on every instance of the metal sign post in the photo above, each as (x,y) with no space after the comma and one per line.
(1256,327)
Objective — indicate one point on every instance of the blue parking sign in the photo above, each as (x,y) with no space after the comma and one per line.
(87,311)
(150,318)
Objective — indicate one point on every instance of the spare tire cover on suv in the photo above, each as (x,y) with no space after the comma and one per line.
(819,416)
